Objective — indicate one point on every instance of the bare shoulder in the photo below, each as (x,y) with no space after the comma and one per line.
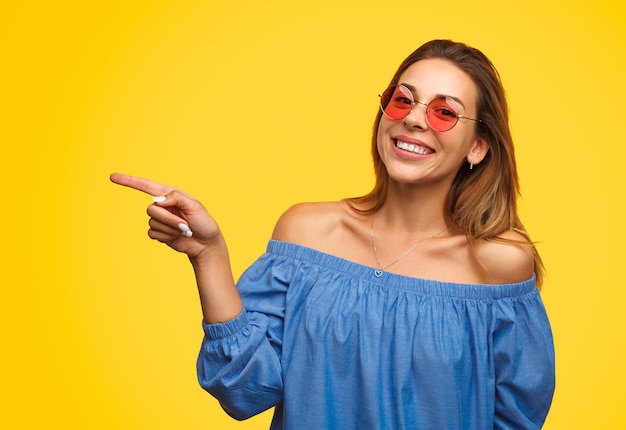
(508,261)
(308,224)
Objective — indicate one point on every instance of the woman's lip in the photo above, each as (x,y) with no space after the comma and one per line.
(410,151)
(411,141)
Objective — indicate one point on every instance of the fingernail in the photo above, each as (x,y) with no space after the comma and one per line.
(158,199)
(184,229)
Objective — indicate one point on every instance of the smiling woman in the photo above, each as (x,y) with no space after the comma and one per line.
(377,312)
(250,107)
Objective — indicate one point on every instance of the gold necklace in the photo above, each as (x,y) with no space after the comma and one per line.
(379,272)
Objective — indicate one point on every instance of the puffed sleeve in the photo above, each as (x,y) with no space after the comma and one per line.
(240,361)
(523,363)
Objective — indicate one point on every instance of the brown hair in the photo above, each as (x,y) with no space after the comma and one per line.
(483,201)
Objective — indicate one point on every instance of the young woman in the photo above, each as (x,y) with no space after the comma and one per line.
(413,307)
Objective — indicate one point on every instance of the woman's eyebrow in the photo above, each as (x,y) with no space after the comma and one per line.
(414,92)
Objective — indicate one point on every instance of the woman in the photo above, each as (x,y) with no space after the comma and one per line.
(413,307)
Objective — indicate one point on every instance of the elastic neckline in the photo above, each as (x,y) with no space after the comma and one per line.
(393,280)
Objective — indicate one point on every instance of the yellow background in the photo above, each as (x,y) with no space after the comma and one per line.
(253,106)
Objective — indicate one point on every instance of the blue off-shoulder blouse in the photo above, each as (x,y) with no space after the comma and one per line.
(332,346)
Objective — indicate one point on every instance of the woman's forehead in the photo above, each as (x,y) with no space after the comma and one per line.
(434,77)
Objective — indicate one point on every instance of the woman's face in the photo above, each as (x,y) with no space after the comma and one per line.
(412,151)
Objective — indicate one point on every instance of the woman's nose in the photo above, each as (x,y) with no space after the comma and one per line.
(417,117)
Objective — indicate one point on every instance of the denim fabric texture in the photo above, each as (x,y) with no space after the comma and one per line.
(331,346)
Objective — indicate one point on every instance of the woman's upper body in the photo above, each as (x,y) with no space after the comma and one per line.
(414,306)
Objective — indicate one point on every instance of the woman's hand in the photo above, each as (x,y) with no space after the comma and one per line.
(181,222)
(176,218)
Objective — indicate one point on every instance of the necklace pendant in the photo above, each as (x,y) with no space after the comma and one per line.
(378,273)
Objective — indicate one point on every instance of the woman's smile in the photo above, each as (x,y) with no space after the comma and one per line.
(413,146)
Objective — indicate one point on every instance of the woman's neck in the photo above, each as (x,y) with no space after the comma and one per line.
(413,209)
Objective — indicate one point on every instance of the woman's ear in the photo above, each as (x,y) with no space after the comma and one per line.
(477,152)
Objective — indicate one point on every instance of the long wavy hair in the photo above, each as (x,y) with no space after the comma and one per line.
(482,201)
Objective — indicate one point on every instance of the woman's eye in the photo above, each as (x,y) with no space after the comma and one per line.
(447,112)
(442,111)
(403,101)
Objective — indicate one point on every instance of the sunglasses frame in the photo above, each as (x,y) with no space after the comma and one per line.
(417,102)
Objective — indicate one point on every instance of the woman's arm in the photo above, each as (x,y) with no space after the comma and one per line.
(524,363)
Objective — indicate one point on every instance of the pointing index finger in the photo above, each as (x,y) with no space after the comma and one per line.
(141,184)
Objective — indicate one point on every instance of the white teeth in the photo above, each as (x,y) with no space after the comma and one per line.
(412,148)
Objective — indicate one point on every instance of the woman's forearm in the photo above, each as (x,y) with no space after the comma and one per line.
(219,298)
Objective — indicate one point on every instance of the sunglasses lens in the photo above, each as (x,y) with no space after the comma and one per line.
(396,102)
(442,113)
